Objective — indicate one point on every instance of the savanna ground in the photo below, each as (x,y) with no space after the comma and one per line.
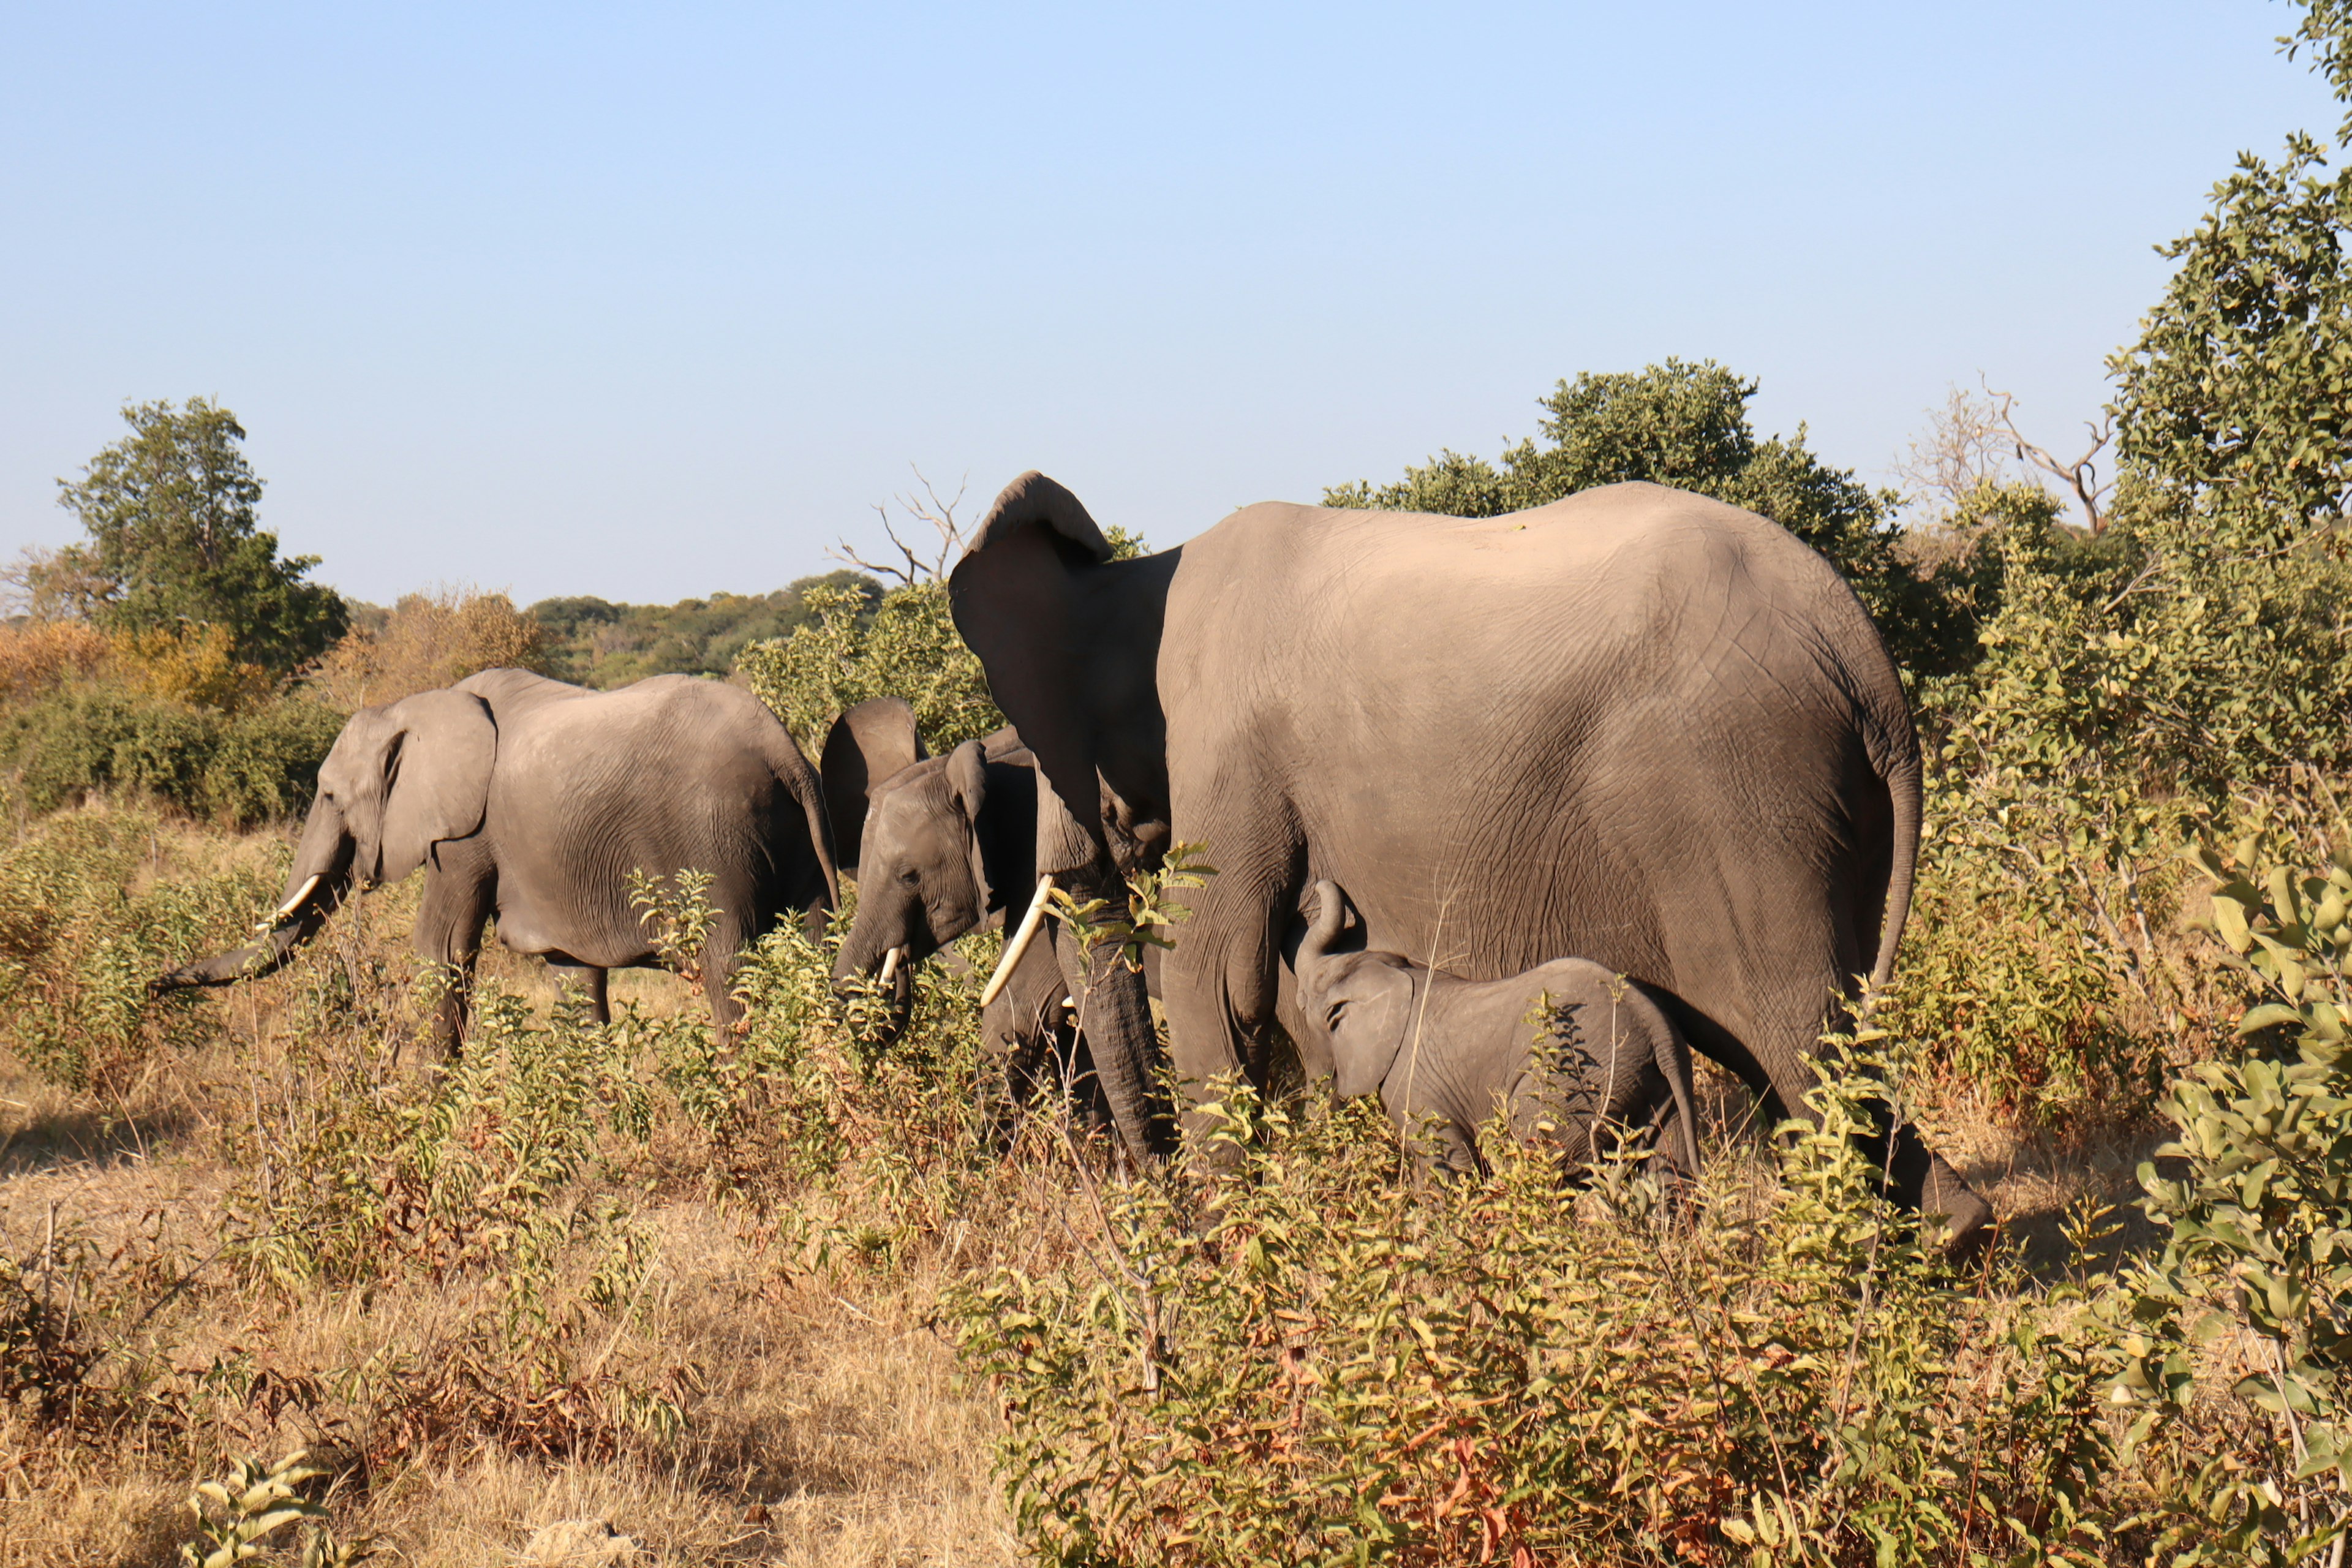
(709,1299)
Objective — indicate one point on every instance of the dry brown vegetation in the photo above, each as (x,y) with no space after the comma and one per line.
(823,1423)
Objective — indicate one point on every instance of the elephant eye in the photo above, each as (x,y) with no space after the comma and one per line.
(910,876)
(1331,1017)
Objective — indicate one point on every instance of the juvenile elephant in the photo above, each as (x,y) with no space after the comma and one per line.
(1634,724)
(939,843)
(531,800)
(1430,1044)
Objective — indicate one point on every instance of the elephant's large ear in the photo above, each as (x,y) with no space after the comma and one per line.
(1010,596)
(1367,1014)
(967,782)
(431,781)
(865,746)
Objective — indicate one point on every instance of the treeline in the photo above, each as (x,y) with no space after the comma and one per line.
(596,642)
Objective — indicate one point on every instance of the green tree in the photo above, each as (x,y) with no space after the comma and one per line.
(174,541)
(2235,405)
(1686,425)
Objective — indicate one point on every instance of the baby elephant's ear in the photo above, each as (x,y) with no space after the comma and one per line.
(1367,1013)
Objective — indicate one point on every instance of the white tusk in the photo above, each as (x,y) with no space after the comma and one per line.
(278,916)
(1020,942)
(301,895)
(890,964)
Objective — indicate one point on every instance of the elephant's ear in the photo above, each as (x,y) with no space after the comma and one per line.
(434,767)
(865,746)
(1011,595)
(1367,1014)
(966,776)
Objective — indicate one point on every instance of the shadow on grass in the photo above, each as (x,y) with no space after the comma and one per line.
(52,1139)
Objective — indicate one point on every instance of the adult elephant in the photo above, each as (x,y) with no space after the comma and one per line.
(531,800)
(1635,725)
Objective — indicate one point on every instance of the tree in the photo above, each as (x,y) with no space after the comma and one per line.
(173,541)
(1686,425)
(2235,405)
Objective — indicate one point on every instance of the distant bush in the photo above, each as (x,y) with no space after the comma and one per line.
(904,647)
(39,655)
(424,642)
(240,768)
(597,643)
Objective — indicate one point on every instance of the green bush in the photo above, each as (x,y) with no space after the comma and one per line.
(2252,1291)
(237,768)
(904,647)
(90,910)
(1305,1355)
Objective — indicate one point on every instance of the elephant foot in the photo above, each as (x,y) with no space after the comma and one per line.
(1960,1221)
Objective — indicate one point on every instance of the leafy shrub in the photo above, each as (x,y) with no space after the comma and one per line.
(240,768)
(906,647)
(1304,1356)
(2252,1291)
(90,910)
(424,642)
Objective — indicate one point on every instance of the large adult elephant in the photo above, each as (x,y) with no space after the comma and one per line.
(1635,725)
(531,800)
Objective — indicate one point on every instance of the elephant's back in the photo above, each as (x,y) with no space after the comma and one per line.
(1489,730)
(670,773)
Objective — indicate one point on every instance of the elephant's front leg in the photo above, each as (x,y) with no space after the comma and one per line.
(459,896)
(1221,991)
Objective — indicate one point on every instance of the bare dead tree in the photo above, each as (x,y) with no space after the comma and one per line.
(925,560)
(1964,447)
(2080,476)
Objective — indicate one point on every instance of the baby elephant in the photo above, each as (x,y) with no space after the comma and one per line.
(1432,1044)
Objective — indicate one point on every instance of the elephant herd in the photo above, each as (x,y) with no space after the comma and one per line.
(1632,772)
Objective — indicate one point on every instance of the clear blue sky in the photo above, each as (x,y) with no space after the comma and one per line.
(650,302)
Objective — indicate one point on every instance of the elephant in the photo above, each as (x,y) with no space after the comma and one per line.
(531,800)
(939,841)
(1635,724)
(1432,1045)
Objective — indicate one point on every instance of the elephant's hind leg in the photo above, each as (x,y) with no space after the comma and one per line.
(585,982)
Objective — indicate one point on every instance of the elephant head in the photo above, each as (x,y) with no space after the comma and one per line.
(401,780)
(1070,639)
(1363,1002)
(946,842)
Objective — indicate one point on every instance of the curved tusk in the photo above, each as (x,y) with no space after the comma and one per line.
(278,916)
(890,964)
(1020,942)
(301,895)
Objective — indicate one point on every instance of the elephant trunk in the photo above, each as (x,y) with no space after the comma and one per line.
(1115,1017)
(1331,913)
(316,885)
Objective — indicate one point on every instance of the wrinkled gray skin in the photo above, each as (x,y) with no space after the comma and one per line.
(529,800)
(944,844)
(1635,724)
(1432,1045)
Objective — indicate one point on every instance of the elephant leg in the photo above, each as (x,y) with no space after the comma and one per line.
(1219,998)
(1767,1026)
(1023,1038)
(459,896)
(721,952)
(585,982)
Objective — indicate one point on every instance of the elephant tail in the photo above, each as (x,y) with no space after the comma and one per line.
(1899,771)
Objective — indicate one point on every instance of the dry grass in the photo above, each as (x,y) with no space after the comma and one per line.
(823,1419)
